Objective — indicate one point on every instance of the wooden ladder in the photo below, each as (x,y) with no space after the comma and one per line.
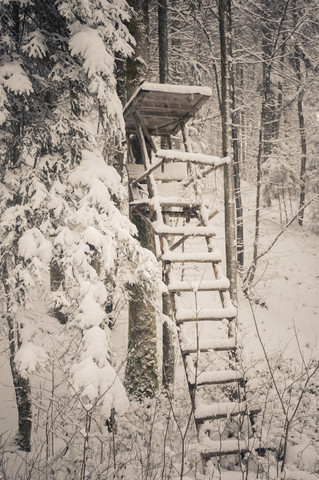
(201,307)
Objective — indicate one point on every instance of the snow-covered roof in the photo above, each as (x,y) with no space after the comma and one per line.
(164,106)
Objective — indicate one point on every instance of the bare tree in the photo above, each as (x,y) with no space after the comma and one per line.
(230,228)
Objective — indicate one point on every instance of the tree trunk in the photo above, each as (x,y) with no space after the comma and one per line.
(162,41)
(303,163)
(57,278)
(303,143)
(168,345)
(141,379)
(22,387)
(168,352)
(235,142)
(230,231)
(141,376)
(137,66)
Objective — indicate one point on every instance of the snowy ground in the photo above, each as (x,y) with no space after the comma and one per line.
(287,281)
(287,289)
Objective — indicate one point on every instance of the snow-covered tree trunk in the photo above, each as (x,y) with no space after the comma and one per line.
(235,116)
(22,387)
(229,199)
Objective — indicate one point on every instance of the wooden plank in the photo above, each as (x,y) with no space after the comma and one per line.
(219,377)
(215,411)
(166,201)
(209,257)
(198,158)
(200,286)
(187,231)
(205,314)
(162,112)
(219,448)
(206,345)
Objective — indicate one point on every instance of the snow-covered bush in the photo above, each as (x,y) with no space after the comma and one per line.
(287,428)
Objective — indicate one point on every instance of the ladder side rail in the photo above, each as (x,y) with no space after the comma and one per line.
(145,130)
(151,184)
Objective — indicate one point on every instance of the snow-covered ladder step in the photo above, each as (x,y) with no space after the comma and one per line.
(199,158)
(218,377)
(190,231)
(202,285)
(216,448)
(205,314)
(209,344)
(212,257)
(214,411)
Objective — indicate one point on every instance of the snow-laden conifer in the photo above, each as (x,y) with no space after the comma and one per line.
(66,246)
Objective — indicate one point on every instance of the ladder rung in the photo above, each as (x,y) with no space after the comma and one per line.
(165,201)
(218,377)
(214,411)
(205,314)
(216,448)
(212,257)
(202,285)
(191,231)
(199,158)
(206,345)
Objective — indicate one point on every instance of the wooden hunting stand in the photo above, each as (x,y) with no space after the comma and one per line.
(207,336)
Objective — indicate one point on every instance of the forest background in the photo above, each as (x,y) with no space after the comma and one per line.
(69,255)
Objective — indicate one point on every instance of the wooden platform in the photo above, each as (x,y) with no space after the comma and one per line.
(163,106)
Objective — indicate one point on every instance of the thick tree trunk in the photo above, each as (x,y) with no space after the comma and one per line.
(141,378)
(230,229)
(137,66)
(141,375)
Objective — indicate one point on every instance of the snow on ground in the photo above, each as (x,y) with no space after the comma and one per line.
(286,287)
